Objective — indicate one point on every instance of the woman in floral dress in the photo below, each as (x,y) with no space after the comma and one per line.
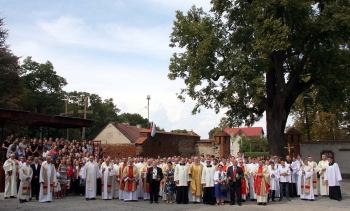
(219,177)
(169,183)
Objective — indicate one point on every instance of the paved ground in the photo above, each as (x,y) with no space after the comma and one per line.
(76,203)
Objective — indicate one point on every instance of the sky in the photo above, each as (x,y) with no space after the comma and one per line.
(114,48)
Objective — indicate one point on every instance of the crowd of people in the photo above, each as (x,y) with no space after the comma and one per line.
(56,168)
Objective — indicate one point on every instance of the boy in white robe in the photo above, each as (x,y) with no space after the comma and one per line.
(333,177)
(251,168)
(116,167)
(274,181)
(25,176)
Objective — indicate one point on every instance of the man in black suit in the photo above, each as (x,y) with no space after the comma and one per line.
(154,176)
(35,181)
(233,178)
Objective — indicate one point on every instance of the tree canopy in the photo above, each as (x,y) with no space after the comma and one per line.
(252,56)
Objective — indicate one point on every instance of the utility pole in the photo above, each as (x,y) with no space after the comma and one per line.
(148,98)
(66,112)
(85,111)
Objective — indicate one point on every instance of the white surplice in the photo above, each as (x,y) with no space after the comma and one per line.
(332,175)
(303,177)
(251,168)
(274,180)
(296,178)
(323,184)
(92,168)
(109,172)
(315,167)
(46,197)
(10,178)
(24,173)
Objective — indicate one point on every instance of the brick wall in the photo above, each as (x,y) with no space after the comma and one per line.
(167,144)
(121,150)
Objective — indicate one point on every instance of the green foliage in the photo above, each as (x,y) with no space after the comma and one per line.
(254,56)
(179,131)
(10,82)
(43,87)
(256,154)
(253,144)
(133,119)
(213,132)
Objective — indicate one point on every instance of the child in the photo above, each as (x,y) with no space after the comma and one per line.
(57,187)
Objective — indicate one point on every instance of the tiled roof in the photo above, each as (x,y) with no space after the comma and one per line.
(247,131)
(131,132)
(141,140)
(205,141)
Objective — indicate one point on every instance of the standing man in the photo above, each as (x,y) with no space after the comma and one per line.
(261,183)
(116,167)
(11,168)
(35,180)
(292,186)
(182,181)
(234,175)
(47,179)
(245,185)
(130,177)
(120,176)
(251,168)
(284,175)
(145,187)
(306,189)
(25,175)
(154,176)
(208,183)
(90,175)
(322,166)
(195,173)
(107,179)
(274,180)
(313,164)
(333,177)
(297,164)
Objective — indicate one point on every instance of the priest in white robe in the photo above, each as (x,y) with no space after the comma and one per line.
(208,183)
(296,165)
(130,177)
(47,180)
(116,167)
(143,175)
(25,176)
(306,189)
(11,168)
(107,179)
(139,164)
(90,175)
(333,177)
(251,168)
(322,166)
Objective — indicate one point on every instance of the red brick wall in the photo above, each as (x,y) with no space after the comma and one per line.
(167,144)
(121,150)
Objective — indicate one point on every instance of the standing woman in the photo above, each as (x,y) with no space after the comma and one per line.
(40,148)
(170,186)
(219,178)
(76,177)
(34,149)
(63,170)
(82,182)
(70,177)
(5,146)
(53,153)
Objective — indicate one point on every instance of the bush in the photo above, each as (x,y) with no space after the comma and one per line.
(256,154)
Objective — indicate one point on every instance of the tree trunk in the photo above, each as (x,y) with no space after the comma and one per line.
(276,119)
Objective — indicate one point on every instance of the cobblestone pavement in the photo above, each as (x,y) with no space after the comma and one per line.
(76,203)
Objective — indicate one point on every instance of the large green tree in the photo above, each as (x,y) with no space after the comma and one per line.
(10,81)
(133,119)
(252,56)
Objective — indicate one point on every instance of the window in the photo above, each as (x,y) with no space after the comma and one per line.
(231,152)
(231,143)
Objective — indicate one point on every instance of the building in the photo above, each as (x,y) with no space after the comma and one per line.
(123,140)
(237,134)
(118,133)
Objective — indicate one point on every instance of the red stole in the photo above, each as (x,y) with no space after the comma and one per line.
(130,175)
(224,168)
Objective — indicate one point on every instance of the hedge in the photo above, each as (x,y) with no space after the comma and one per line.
(256,154)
